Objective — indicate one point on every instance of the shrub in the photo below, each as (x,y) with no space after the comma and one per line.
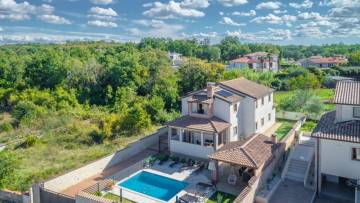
(7,166)
(97,137)
(29,141)
(5,127)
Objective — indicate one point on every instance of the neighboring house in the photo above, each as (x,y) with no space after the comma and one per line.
(260,61)
(322,62)
(224,112)
(175,59)
(338,143)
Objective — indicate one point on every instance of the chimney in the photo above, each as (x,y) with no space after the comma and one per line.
(210,89)
(273,138)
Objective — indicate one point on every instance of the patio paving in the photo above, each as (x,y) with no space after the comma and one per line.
(74,189)
(291,192)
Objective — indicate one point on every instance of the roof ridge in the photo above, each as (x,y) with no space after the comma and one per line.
(249,156)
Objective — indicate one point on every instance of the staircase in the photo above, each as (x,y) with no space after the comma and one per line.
(300,160)
(297,170)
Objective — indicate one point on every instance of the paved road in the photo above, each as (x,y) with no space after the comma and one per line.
(291,192)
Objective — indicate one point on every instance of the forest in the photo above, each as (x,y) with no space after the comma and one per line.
(67,104)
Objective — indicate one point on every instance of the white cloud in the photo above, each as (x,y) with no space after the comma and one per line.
(53,19)
(229,3)
(310,16)
(272,5)
(1,29)
(250,13)
(99,23)
(273,19)
(229,21)
(280,11)
(305,4)
(171,10)
(221,13)
(102,2)
(268,35)
(156,28)
(103,11)
(195,3)
(11,10)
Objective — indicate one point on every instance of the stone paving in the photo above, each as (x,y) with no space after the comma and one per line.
(292,192)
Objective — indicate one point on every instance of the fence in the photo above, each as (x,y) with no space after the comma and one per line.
(54,197)
(88,195)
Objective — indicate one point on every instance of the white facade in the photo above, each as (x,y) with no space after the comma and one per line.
(336,159)
(250,116)
(346,113)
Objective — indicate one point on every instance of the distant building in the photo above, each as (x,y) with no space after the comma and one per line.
(260,61)
(322,62)
(175,59)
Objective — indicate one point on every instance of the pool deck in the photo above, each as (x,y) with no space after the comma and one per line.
(185,175)
(74,189)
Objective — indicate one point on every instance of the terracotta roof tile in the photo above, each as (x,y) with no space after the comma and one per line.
(347,92)
(250,153)
(247,87)
(327,128)
(212,124)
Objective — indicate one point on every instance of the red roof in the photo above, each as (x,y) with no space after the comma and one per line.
(328,60)
(241,60)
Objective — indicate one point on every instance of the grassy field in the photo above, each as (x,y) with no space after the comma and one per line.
(63,143)
(226,198)
(324,94)
(309,126)
(285,127)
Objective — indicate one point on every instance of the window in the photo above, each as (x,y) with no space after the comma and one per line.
(356,113)
(256,104)
(256,125)
(235,131)
(262,101)
(235,107)
(262,121)
(175,134)
(192,137)
(356,154)
(269,97)
(221,138)
(199,108)
(269,116)
(208,139)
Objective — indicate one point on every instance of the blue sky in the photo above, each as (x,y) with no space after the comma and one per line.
(279,22)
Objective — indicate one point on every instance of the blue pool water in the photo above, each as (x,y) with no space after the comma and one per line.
(153,185)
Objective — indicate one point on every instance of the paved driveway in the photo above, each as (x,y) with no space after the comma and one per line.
(292,192)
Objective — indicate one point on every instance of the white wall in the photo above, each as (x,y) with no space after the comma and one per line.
(247,117)
(191,149)
(222,109)
(262,112)
(184,106)
(344,113)
(335,159)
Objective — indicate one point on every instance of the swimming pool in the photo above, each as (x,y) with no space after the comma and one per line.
(153,185)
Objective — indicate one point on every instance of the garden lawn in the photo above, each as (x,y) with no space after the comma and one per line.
(324,94)
(285,127)
(111,196)
(227,198)
(309,126)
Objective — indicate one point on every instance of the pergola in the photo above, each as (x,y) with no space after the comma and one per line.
(252,153)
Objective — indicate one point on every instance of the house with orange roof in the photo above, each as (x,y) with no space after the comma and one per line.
(260,61)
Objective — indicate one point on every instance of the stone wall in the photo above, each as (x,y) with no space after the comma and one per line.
(71,178)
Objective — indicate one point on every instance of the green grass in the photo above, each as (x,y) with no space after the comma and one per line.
(285,127)
(227,198)
(111,196)
(309,126)
(63,144)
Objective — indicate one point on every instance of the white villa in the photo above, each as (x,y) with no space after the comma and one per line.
(222,113)
(260,61)
(338,144)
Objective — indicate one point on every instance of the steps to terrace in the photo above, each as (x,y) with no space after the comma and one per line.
(300,160)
